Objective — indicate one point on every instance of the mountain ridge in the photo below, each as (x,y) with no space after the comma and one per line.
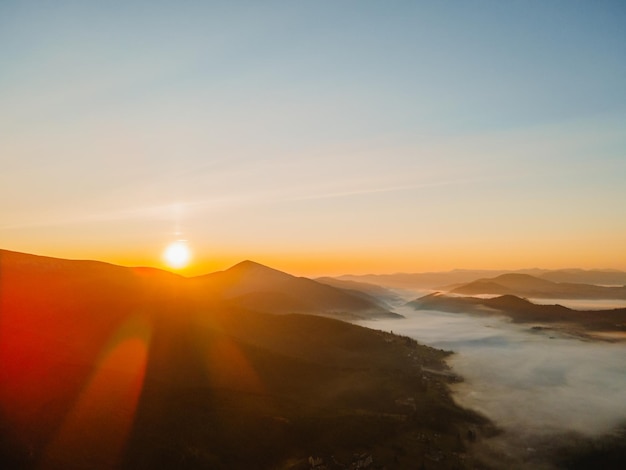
(522,310)
(437,279)
(529,286)
(104,368)
(240,284)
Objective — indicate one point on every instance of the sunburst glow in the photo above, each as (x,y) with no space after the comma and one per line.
(177,254)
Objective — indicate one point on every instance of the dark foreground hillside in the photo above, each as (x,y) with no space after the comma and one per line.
(107,367)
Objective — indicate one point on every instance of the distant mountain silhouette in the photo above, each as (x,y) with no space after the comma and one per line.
(524,311)
(379,294)
(530,286)
(445,303)
(458,277)
(582,276)
(104,367)
(258,287)
(429,280)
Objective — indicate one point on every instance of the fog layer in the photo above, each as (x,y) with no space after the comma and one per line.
(583,304)
(528,383)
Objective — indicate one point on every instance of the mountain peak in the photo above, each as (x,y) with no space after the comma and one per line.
(248,266)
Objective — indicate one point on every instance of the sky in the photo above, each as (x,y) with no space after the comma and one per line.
(318,137)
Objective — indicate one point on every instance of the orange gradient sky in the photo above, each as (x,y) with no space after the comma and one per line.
(319,137)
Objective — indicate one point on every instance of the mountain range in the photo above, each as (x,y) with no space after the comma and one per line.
(248,284)
(103,366)
(254,286)
(438,280)
(529,286)
(523,311)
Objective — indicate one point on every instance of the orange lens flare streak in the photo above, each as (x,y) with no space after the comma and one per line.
(97,427)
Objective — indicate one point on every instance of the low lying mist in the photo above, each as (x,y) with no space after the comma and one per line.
(583,304)
(536,386)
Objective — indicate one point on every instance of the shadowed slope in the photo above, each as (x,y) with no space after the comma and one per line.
(384,297)
(254,286)
(68,329)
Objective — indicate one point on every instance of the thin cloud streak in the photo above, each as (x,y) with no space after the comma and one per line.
(194,208)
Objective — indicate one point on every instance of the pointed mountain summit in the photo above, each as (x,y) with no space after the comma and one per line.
(257,287)
(249,265)
(244,277)
(248,275)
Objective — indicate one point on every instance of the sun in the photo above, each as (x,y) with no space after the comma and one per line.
(177,254)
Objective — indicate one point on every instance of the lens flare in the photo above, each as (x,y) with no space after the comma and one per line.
(101,420)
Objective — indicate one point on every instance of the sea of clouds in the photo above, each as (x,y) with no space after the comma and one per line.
(537,386)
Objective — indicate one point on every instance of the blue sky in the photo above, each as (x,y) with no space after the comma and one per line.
(426,134)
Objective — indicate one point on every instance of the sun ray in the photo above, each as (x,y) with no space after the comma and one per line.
(102,418)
